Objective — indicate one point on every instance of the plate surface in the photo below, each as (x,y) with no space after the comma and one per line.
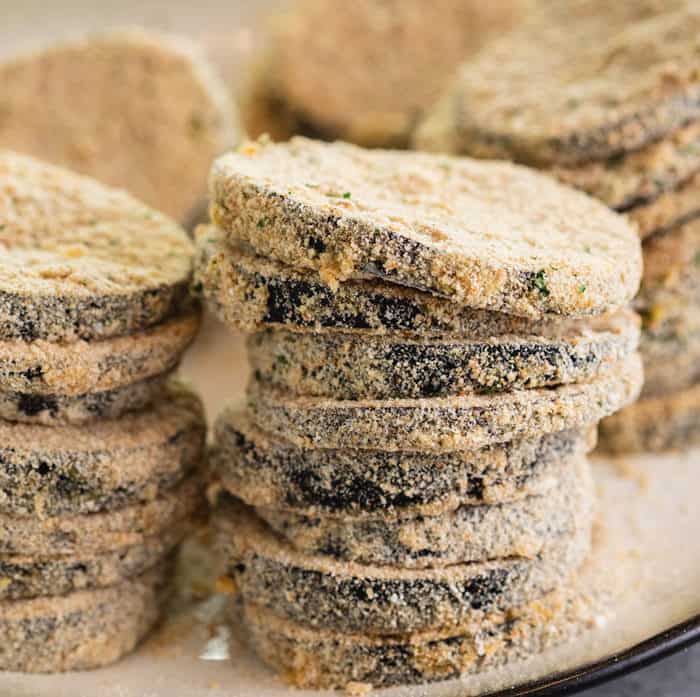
(645,549)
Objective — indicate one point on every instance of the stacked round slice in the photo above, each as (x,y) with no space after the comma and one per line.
(100,449)
(606,97)
(407,495)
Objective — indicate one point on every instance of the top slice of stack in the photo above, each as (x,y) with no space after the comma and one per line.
(439,337)
(83,261)
(134,109)
(485,235)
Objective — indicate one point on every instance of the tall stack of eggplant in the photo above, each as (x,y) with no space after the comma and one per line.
(406,491)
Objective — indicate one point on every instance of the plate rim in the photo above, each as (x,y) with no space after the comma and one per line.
(568,682)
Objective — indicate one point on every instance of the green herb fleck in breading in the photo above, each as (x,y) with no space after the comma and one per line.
(540,282)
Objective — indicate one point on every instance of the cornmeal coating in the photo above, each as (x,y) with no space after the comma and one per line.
(81,261)
(268,471)
(445,423)
(322,592)
(488,235)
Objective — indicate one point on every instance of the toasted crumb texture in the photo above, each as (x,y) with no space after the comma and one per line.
(98,532)
(249,292)
(487,235)
(355,365)
(444,424)
(523,528)
(315,658)
(638,177)
(82,630)
(386,56)
(668,210)
(137,110)
(669,308)
(322,592)
(656,424)
(580,81)
(45,368)
(24,577)
(80,261)
(267,471)
(51,409)
(73,470)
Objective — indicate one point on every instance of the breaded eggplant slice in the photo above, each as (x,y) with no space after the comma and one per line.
(44,368)
(444,423)
(52,409)
(322,592)
(382,92)
(251,292)
(73,470)
(656,424)
(24,577)
(576,83)
(641,176)
(271,472)
(71,535)
(82,630)
(81,261)
(309,657)
(137,110)
(487,235)
(521,528)
(358,365)
(668,211)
